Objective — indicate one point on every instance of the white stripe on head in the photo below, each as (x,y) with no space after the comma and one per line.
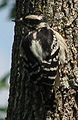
(34,17)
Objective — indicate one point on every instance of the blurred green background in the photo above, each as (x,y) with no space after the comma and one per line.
(7,13)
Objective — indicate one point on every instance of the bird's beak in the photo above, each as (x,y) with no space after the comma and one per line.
(17,20)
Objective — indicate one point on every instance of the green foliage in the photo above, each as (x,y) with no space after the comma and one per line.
(5,3)
(3,81)
(3,109)
(12,13)
(4,85)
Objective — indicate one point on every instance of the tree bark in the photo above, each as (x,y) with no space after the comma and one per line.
(26,100)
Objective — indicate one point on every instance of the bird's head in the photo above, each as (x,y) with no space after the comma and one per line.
(31,20)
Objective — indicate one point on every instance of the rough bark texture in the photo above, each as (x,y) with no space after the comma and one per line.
(26,99)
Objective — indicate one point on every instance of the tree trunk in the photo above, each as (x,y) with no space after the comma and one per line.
(25,98)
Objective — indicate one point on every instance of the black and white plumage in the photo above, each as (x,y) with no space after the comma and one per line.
(43,48)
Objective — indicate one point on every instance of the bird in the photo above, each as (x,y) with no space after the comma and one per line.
(44,49)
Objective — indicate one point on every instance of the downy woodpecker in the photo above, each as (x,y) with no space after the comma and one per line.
(44,48)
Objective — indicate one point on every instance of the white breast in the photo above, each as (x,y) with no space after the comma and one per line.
(36,49)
